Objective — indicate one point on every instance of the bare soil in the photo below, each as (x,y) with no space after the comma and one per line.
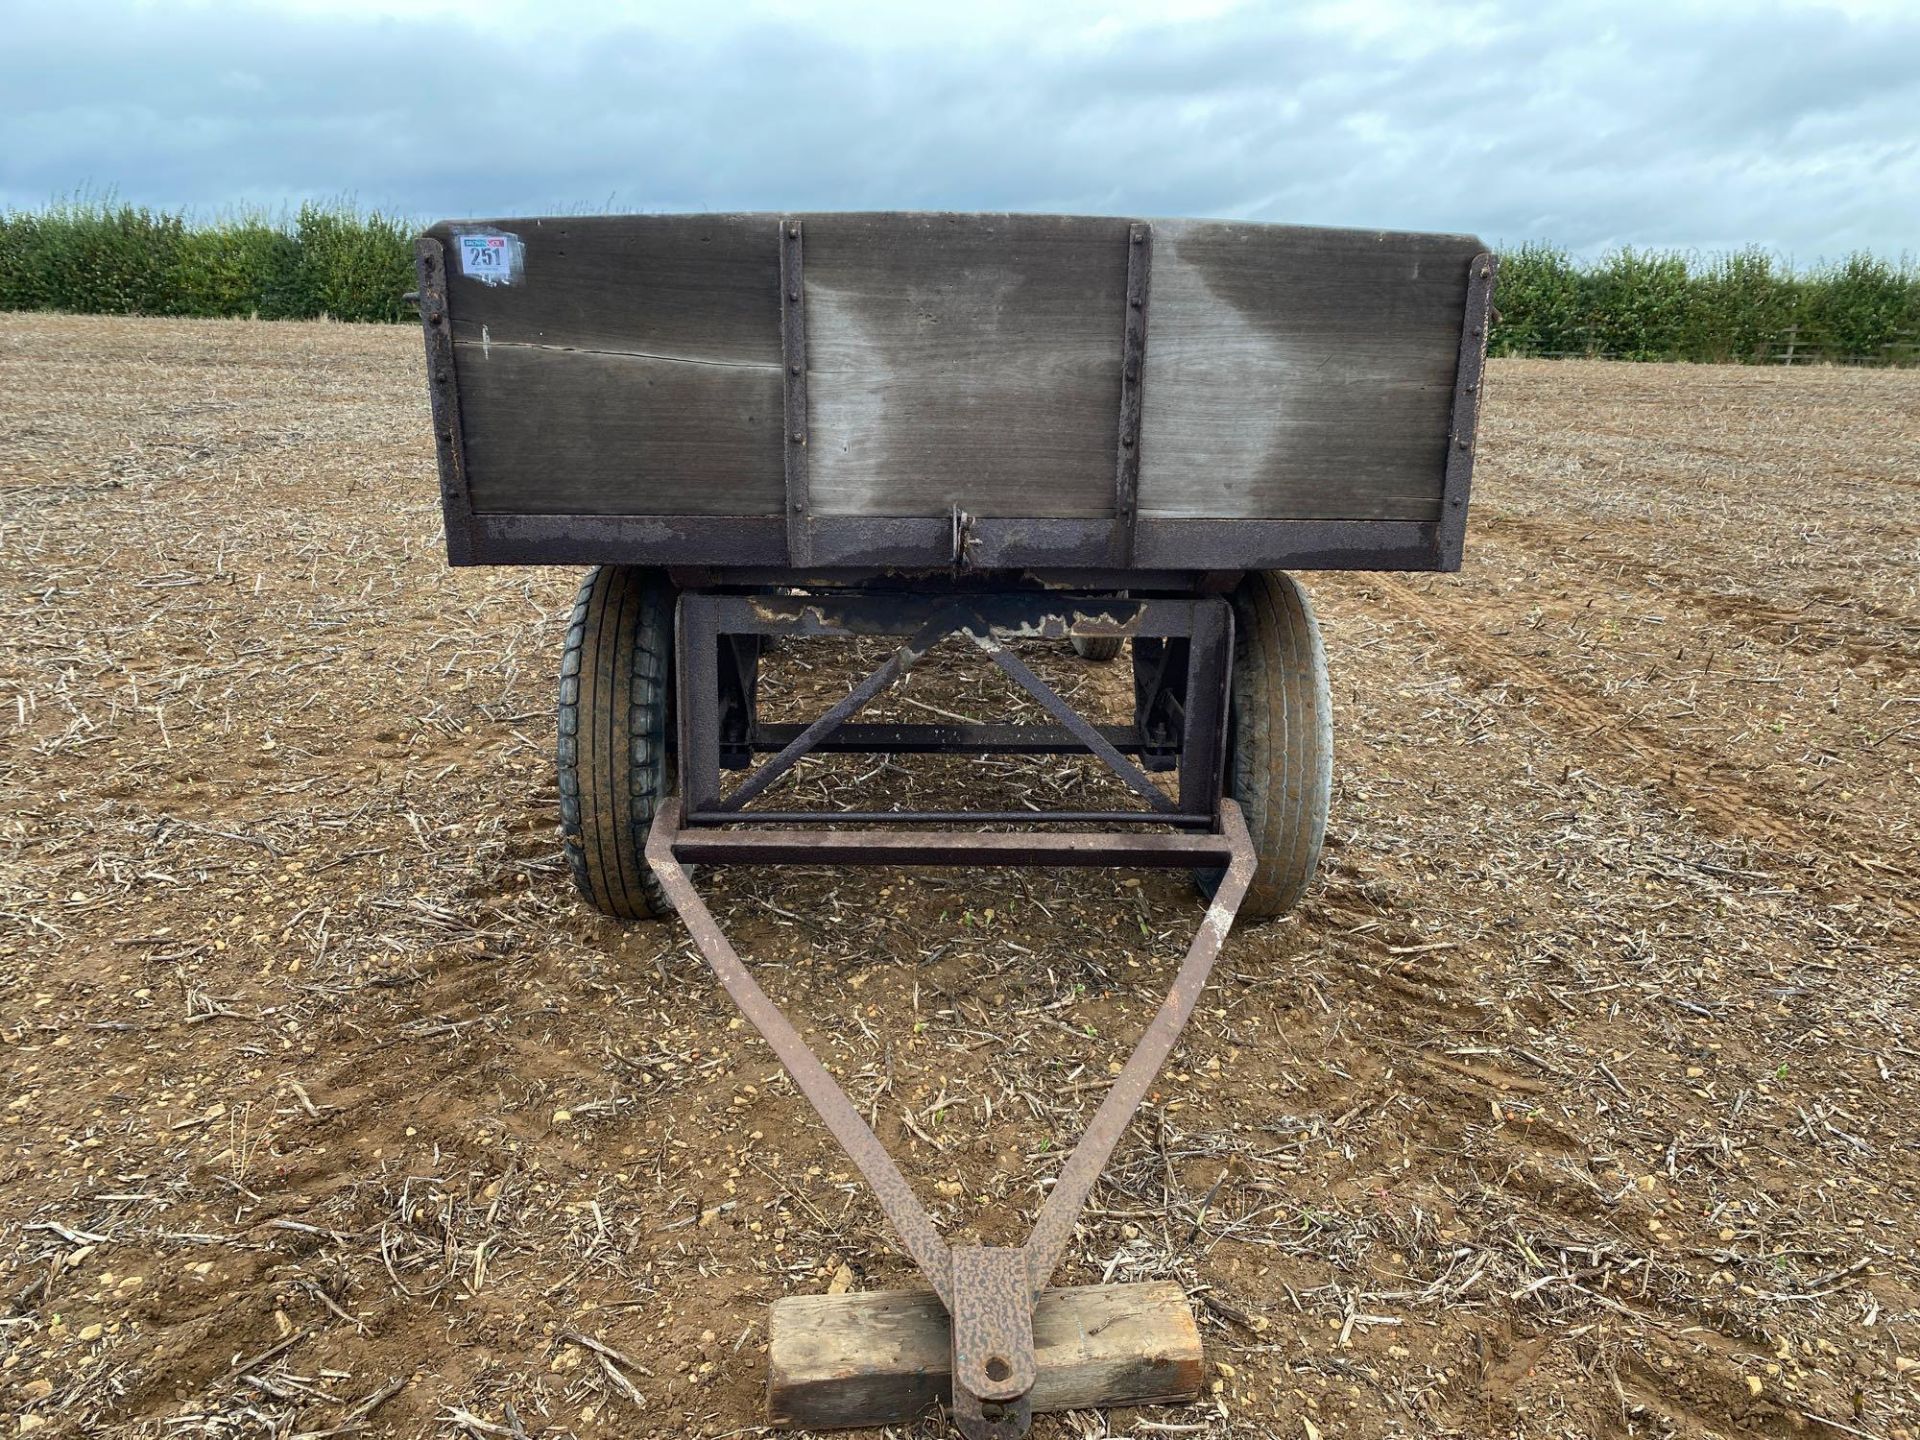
(1578,1100)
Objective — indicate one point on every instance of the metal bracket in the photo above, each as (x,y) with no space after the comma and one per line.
(993,1364)
(964,540)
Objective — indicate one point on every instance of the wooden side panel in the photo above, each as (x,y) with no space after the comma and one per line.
(883,1358)
(969,359)
(1299,373)
(590,432)
(631,366)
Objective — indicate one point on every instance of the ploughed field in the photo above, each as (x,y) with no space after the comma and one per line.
(1579,1099)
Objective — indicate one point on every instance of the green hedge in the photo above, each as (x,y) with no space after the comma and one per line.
(106,258)
(91,254)
(1746,306)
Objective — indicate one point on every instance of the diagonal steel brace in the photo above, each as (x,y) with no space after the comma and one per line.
(988,1291)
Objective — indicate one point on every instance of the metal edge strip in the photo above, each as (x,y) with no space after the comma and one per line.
(853,542)
(464,543)
(793,364)
(1463,427)
(1133,363)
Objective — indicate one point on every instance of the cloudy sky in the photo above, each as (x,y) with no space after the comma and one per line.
(1591,123)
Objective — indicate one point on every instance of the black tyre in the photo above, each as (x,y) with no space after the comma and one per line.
(1096,647)
(616,741)
(1279,738)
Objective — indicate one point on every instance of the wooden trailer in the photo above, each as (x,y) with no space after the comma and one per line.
(1121,434)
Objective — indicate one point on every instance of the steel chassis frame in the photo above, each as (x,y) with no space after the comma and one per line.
(1186,647)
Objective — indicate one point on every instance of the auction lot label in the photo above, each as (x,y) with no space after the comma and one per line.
(491,257)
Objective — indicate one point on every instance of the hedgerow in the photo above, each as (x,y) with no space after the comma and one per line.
(94,254)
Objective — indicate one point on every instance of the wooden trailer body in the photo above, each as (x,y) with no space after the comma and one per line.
(834,392)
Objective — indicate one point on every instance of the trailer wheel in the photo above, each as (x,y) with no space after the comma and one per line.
(1097,647)
(615,749)
(1279,738)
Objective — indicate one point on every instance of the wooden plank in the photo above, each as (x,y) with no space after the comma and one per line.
(633,366)
(702,288)
(1300,373)
(838,1361)
(579,432)
(630,366)
(964,359)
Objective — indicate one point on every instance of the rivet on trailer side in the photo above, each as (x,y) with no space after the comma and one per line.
(975,429)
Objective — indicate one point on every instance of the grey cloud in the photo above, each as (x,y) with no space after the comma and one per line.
(1590,124)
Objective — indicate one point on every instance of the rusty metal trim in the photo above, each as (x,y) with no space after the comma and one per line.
(758,846)
(901,1206)
(1203,743)
(1036,614)
(443,394)
(984,617)
(1083,729)
(992,1343)
(1462,430)
(851,546)
(992,1322)
(947,817)
(1133,363)
(793,363)
(941,625)
(956,738)
(1054,1228)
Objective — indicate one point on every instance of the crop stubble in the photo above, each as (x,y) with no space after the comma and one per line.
(1578,1100)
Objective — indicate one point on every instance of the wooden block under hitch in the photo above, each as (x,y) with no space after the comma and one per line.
(884,1357)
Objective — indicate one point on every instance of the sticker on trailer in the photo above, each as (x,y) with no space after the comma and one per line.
(491,257)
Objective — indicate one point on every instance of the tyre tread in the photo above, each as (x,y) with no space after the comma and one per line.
(613,754)
(1281,765)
